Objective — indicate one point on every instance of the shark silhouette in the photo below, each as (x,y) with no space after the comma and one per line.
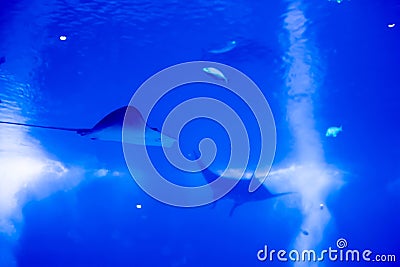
(240,193)
(110,129)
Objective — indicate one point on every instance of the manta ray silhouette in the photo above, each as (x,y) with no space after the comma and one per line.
(240,193)
(110,129)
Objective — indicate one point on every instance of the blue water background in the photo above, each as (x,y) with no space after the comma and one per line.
(114,46)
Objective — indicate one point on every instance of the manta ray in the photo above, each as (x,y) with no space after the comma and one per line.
(240,193)
(109,128)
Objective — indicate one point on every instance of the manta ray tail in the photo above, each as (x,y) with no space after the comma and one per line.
(282,194)
(213,204)
(235,205)
(77,130)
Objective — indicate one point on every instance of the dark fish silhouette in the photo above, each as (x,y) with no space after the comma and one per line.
(110,129)
(240,193)
(2,60)
(240,50)
(304,232)
(229,46)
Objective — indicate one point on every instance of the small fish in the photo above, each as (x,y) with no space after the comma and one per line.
(304,232)
(2,60)
(333,131)
(216,73)
(228,47)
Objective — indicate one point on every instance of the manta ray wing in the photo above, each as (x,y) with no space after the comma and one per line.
(109,128)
